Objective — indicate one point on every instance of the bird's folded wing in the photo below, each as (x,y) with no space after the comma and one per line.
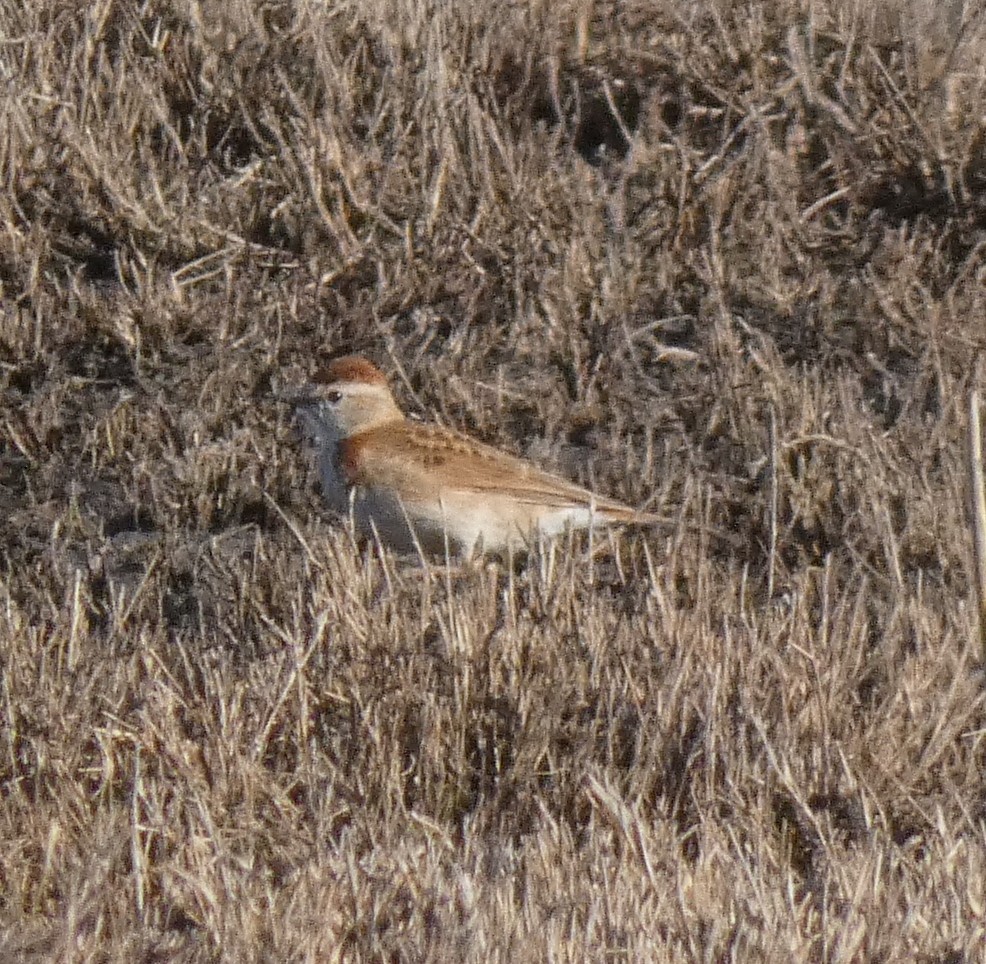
(421,462)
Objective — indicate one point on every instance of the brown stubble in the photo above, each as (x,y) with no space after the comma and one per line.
(225,726)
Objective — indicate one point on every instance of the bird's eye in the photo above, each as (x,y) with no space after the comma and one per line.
(333,397)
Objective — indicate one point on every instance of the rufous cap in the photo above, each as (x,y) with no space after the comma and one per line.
(350,368)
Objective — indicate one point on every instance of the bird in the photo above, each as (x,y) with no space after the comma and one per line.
(424,488)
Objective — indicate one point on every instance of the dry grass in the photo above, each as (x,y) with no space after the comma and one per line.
(723,259)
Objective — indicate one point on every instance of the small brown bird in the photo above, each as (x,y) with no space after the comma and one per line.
(425,487)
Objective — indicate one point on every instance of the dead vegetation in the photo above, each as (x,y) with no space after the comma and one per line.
(725,260)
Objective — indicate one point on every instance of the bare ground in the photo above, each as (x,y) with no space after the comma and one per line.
(723,260)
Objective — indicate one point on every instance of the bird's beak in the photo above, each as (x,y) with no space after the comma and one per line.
(300,395)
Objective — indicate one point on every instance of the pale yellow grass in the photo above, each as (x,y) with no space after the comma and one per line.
(723,259)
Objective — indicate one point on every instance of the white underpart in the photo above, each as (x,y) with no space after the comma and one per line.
(472,519)
(556,521)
